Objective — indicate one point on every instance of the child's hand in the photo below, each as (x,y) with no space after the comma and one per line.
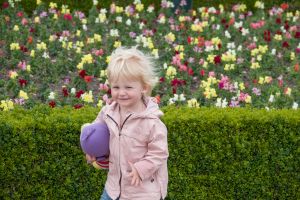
(136,180)
(90,159)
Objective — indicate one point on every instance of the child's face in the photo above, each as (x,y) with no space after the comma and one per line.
(128,94)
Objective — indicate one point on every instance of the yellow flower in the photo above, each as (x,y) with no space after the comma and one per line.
(102,17)
(179,48)
(197,27)
(181,55)
(38,2)
(229,67)
(193,103)
(171,72)
(107,59)
(23,95)
(28,68)
(32,53)
(97,37)
(248,99)
(139,7)
(288,91)
(100,103)
(210,92)
(52,5)
(261,80)
(41,46)
(292,56)
(14,46)
(84,21)
(37,20)
(259,4)
(65,10)
(87,97)
(7,105)
(78,33)
(170,37)
(278,37)
(117,44)
(55,16)
(255,65)
(87,59)
(211,58)
(103,73)
(80,65)
(227,57)
(242,86)
(78,50)
(13,74)
(16,28)
(263,48)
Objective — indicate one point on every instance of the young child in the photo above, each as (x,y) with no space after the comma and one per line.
(138,138)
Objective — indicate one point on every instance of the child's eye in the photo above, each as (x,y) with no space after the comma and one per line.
(128,87)
(115,87)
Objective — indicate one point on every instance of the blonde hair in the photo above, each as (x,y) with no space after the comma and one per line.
(132,64)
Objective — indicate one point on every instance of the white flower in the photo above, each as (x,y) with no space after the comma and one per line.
(295,106)
(227,34)
(221,103)
(73,90)
(245,31)
(128,22)
(114,33)
(51,95)
(119,19)
(45,55)
(95,2)
(271,99)
(273,52)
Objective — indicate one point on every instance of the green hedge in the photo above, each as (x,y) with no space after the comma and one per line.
(214,154)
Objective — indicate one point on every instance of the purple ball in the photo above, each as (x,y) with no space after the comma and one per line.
(94,140)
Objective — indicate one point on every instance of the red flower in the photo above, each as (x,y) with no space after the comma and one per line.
(190,71)
(52,104)
(296,67)
(88,79)
(5,5)
(217,59)
(285,44)
(20,14)
(189,40)
(23,48)
(284,6)
(65,91)
(22,82)
(78,106)
(278,21)
(79,93)
(162,79)
(267,36)
(297,35)
(202,72)
(82,73)
(177,82)
(31,30)
(68,17)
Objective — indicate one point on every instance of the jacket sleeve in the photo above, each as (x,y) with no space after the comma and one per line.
(100,115)
(157,152)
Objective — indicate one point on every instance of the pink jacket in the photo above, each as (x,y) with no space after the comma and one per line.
(142,140)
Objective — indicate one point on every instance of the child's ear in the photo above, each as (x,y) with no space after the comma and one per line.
(146,89)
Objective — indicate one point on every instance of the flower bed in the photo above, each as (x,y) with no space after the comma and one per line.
(206,57)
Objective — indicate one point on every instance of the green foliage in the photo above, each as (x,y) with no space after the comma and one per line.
(214,154)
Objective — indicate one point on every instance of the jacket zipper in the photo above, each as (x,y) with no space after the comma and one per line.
(120,129)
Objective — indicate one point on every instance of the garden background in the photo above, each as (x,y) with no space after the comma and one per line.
(53,57)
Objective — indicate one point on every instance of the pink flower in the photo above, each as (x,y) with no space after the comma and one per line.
(103,87)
